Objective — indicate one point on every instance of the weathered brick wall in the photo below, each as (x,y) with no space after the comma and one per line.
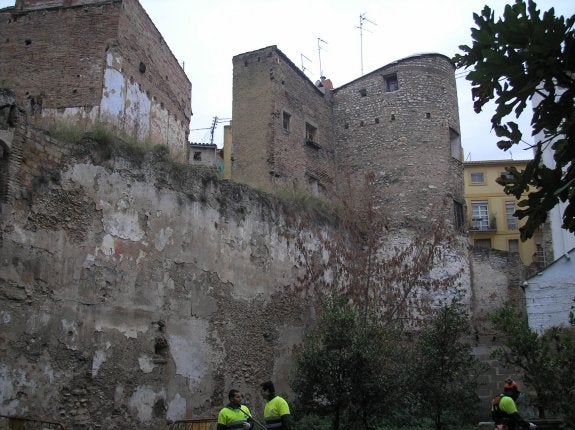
(164,81)
(253,117)
(55,57)
(267,84)
(96,61)
(402,136)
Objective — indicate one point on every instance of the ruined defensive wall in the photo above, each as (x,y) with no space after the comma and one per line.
(95,61)
(135,291)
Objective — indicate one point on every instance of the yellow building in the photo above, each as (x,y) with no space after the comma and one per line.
(490,211)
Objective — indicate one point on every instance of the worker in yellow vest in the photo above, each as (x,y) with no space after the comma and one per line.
(276,411)
(504,409)
(235,415)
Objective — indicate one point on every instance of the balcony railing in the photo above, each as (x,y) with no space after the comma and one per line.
(481,224)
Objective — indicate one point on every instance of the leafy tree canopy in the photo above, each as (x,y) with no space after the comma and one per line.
(512,60)
(547,360)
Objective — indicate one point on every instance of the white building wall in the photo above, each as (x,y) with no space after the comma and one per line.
(563,240)
(550,295)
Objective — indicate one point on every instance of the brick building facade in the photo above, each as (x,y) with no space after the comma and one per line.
(399,124)
(95,61)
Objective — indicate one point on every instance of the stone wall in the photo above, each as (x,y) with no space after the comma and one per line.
(134,290)
(133,293)
(496,277)
(402,136)
(406,139)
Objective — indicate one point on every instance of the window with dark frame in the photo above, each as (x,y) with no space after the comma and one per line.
(391,83)
(286,119)
(458,215)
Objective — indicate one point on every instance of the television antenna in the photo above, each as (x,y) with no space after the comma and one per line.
(303,68)
(319,42)
(362,20)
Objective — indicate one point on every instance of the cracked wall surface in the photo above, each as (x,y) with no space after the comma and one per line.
(134,290)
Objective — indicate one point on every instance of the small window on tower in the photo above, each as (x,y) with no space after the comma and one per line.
(391,83)
(286,118)
(310,133)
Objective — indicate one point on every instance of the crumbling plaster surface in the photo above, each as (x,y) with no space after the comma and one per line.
(134,290)
(126,104)
(127,295)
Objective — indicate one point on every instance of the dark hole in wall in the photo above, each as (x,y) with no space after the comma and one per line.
(28,41)
(161,346)
(142,67)
(159,408)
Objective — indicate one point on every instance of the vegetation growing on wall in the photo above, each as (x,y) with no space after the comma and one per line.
(380,327)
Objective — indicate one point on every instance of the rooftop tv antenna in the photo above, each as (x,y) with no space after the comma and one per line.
(319,42)
(303,68)
(362,20)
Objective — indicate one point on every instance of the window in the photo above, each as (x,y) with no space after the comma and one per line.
(513,245)
(477,178)
(506,175)
(391,83)
(197,156)
(482,243)
(286,118)
(310,133)
(540,257)
(479,215)
(511,220)
(455,142)
(458,215)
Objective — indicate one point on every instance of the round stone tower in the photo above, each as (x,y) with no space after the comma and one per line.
(400,125)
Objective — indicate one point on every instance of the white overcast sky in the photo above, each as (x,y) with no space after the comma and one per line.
(205,35)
